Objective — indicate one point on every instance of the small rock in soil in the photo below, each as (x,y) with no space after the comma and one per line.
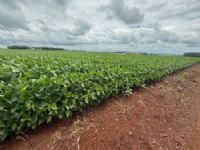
(130,133)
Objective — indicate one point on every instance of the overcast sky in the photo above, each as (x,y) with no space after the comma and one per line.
(164,26)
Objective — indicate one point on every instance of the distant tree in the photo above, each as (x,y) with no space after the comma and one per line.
(51,48)
(192,54)
(27,47)
(18,47)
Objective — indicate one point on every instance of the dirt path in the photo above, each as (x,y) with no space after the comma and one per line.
(163,116)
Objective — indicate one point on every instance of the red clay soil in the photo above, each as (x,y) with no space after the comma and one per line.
(162,116)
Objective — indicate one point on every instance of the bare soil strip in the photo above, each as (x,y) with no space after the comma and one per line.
(164,116)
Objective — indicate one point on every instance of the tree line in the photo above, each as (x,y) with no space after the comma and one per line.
(192,54)
(27,47)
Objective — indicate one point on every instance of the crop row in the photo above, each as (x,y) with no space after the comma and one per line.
(36,87)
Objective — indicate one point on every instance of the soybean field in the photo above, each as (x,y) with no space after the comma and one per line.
(38,86)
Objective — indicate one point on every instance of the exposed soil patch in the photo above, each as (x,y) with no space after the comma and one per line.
(162,116)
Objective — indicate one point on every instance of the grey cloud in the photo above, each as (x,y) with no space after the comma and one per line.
(11,21)
(81,28)
(78,28)
(9,4)
(157,6)
(178,10)
(61,3)
(43,26)
(148,35)
(123,37)
(168,37)
(191,39)
(118,9)
(165,36)
(11,16)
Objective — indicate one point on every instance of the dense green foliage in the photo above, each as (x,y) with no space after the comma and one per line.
(37,86)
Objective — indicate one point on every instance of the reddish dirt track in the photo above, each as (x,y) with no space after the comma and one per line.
(162,116)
